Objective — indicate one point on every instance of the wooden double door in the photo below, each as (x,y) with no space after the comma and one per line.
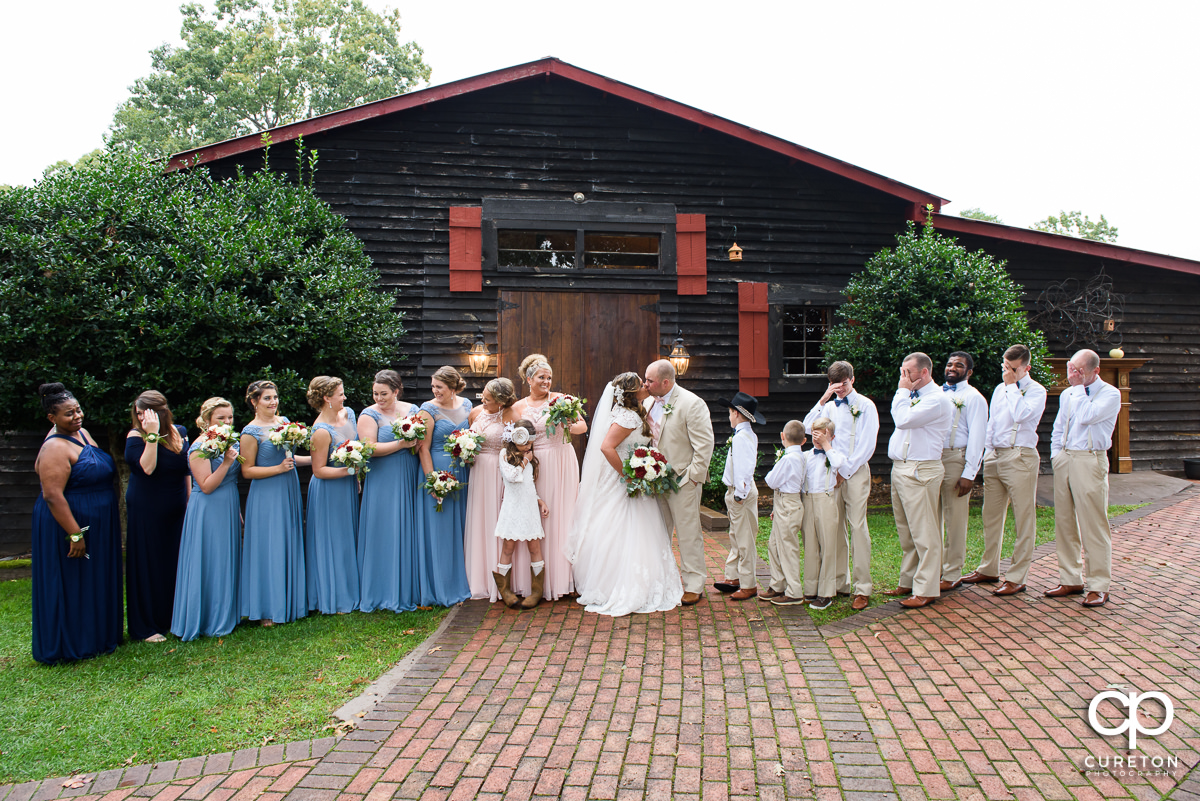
(588,337)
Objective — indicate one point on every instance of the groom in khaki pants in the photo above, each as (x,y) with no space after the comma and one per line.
(684,434)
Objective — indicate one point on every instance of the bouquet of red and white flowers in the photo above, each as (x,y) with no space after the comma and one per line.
(216,440)
(290,436)
(409,428)
(463,446)
(353,455)
(563,411)
(647,472)
(441,484)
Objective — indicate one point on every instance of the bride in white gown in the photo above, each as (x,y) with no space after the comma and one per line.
(620,546)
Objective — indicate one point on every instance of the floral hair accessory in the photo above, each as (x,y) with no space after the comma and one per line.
(518,435)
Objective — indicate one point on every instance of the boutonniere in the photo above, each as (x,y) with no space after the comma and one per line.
(913,402)
(855,411)
(958,403)
(668,408)
(779,452)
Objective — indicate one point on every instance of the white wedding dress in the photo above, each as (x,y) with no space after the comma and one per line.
(620,546)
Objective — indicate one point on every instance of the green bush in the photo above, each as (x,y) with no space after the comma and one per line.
(930,294)
(116,278)
(713,494)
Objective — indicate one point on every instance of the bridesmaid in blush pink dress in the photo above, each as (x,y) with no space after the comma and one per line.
(486,491)
(558,474)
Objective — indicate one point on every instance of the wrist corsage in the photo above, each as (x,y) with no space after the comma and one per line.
(153,438)
(78,535)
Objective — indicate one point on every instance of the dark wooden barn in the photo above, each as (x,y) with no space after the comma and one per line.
(553,209)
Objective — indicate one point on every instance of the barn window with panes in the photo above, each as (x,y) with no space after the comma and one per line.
(545,249)
(804,330)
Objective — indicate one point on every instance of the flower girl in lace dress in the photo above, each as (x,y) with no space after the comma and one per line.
(521,513)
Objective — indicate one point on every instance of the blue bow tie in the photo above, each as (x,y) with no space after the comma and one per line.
(914,394)
(819,450)
(1087,390)
(949,387)
(839,401)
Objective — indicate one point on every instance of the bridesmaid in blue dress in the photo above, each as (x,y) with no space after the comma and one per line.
(272,584)
(391,516)
(157,454)
(441,563)
(206,586)
(76,540)
(331,534)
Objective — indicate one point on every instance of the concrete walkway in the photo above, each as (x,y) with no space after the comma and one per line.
(974,697)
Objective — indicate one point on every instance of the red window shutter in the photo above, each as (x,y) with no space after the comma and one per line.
(691,257)
(754,370)
(466,249)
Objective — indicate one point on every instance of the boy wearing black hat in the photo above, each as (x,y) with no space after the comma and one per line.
(741,499)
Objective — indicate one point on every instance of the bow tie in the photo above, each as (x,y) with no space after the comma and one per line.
(1087,390)
(659,401)
(949,387)
(840,401)
(819,450)
(914,394)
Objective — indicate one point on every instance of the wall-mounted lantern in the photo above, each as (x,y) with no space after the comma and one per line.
(478,356)
(735,253)
(680,358)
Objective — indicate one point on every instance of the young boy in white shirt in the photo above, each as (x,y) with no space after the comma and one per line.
(821,516)
(741,499)
(787,518)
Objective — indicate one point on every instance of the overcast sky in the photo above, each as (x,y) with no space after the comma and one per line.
(1020,108)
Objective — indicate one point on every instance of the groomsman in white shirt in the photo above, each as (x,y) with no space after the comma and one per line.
(1087,414)
(857,421)
(922,414)
(1010,471)
(962,456)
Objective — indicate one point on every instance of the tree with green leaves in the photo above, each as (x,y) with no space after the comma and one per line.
(116,278)
(1077,224)
(979,214)
(930,294)
(257,64)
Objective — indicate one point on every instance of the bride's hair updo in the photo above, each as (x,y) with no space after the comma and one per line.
(531,364)
(627,386)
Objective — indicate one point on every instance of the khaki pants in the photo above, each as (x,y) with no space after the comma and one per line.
(821,538)
(681,511)
(915,488)
(852,512)
(783,549)
(1010,475)
(743,531)
(1081,518)
(954,513)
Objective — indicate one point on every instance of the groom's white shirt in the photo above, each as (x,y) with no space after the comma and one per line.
(658,410)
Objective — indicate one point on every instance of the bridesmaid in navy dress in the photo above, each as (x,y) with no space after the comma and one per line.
(441,563)
(272,584)
(331,535)
(391,516)
(206,586)
(76,540)
(159,484)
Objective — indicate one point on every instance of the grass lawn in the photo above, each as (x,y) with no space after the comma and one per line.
(153,702)
(885,550)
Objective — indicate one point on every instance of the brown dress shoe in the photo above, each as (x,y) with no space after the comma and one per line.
(946,586)
(1095,599)
(860,603)
(979,578)
(691,598)
(1009,588)
(744,594)
(1063,590)
(768,594)
(727,585)
(899,591)
(916,602)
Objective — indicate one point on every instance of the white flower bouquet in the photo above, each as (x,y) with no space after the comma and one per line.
(564,411)
(353,455)
(463,446)
(647,472)
(216,440)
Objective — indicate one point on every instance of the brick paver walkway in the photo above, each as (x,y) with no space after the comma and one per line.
(975,697)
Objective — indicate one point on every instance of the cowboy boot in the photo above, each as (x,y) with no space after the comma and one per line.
(535,592)
(504,587)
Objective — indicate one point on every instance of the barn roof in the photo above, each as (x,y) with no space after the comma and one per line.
(920,199)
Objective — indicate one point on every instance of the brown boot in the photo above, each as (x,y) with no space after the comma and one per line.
(504,587)
(535,591)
